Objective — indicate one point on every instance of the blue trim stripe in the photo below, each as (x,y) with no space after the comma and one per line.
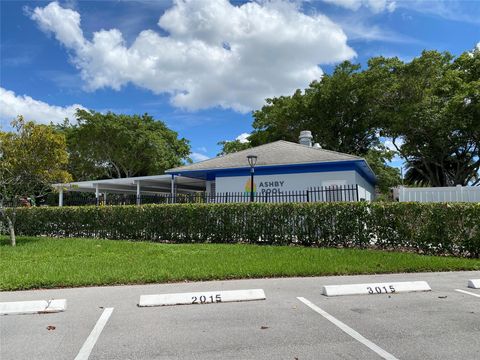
(359,166)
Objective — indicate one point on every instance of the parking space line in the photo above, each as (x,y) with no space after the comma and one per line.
(87,347)
(345,328)
(467,292)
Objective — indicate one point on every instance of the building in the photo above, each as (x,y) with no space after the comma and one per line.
(282,166)
(282,169)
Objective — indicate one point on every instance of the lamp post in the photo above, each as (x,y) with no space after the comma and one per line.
(252,161)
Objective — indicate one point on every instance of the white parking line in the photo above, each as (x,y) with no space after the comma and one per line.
(467,292)
(349,330)
(87,347)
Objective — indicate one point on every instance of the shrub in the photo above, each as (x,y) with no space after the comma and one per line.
(452,229)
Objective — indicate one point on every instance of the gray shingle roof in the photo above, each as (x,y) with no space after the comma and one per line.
(276,153)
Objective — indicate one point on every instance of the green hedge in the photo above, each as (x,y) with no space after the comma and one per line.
(426,228)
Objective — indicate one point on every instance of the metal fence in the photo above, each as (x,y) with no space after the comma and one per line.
(347,193)
(318,194)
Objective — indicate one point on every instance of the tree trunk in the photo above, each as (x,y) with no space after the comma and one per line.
(11,228)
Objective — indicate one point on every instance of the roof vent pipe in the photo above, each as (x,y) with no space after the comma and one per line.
(305,138)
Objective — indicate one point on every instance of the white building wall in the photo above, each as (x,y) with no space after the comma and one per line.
(208,187)
(365,189)
(285,182)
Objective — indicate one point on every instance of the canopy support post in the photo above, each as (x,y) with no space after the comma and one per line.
(60,197)
(97,194)
(172,189)
(138,193)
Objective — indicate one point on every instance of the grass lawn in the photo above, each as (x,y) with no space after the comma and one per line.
(47,262)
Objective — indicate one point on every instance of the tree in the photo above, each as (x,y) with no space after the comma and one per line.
(229,147)
(31,159)
(434,117)
(341,111)
(116,145)
(387,176)
(429,107)
(281,118)
(337,109)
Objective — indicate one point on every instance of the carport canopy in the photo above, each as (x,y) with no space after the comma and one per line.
(151,185)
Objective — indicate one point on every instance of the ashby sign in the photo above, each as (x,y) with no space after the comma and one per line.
(283,183)
(270,187)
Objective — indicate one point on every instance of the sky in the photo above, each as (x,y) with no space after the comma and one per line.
(203,66)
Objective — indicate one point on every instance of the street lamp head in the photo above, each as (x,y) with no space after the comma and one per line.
(252,160)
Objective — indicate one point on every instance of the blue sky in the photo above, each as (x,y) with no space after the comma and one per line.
(203,66)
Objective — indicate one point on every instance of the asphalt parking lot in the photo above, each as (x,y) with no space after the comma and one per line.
(294,322)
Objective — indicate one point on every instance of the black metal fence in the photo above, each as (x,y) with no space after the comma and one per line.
(347,193)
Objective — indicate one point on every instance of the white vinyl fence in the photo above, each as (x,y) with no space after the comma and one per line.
(440,194)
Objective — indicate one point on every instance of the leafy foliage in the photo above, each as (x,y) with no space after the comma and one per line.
(116,145)
(31,159)
(436,117)
(412,226)
(337,109)
(387,176)
(430,107)
(229,147)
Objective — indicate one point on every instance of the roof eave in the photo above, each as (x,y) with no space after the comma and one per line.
(182,169)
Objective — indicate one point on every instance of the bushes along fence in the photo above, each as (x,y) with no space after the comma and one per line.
(452,229)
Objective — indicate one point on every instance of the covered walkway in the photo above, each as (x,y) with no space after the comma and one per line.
(156,185)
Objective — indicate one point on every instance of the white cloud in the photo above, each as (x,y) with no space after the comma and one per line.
(389,145)
(243,138)
(195,156)
(388,142)
(461,11)
(357,29)
(12,105)
(215,53)
(376,6)
(63,23)
(472,53)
